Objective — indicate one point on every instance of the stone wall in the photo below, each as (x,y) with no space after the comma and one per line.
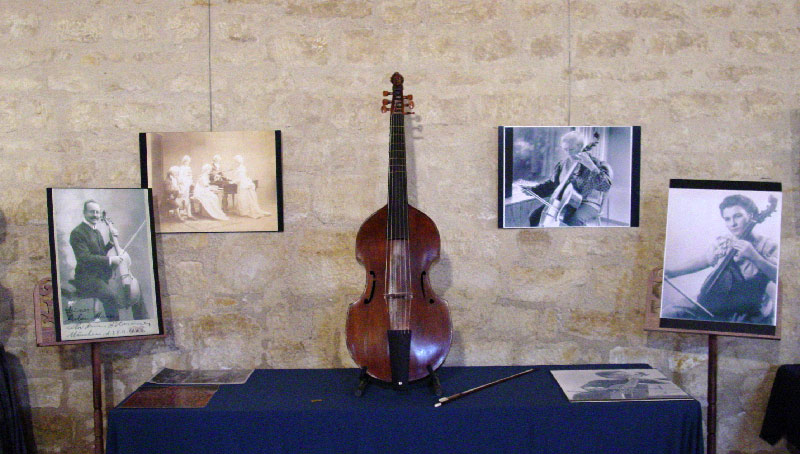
(712,83)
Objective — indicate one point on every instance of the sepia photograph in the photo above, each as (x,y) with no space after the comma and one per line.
(721,256)
(105,283)
(214,181)
(568,176)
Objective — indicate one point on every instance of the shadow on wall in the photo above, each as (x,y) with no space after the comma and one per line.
(16,430)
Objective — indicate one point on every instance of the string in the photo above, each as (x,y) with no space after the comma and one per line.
(407,262)
(398,261)
(398,264)
(390,276)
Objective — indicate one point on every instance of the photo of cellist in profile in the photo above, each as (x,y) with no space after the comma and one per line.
(576,190)
(568,176)
(738,269)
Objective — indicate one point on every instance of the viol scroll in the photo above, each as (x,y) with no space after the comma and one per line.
(399,330)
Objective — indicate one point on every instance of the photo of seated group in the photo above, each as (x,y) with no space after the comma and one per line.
(214,181)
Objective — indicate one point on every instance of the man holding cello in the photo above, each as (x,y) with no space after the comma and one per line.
(575,191)
(94,267)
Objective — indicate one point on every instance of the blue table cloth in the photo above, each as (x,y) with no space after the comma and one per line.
(315,411)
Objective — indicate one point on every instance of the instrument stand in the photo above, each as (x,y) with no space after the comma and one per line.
(364,380)
(435,385)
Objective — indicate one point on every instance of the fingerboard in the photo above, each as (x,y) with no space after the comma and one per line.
(397,225)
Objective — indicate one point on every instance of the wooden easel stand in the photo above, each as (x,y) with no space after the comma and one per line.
(711,420)
(97,381)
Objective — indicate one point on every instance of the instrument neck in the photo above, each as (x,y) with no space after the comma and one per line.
(114,241)
(747,234)
(397,225)
(726,262)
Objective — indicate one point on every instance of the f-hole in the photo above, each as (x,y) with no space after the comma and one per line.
(422,284)
(372,290)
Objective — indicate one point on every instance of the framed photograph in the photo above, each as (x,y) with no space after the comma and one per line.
(214,181)
(568,176)
(721,257)
(105,283)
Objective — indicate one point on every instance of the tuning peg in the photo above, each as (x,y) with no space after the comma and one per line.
(409,113)
(409,97)
(386,93)
(386,101)
(410,104)
(384,109)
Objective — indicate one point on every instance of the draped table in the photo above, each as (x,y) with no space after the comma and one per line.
(316,411)
(782,418)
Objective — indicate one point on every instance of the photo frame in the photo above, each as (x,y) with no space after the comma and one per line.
(103,262)
(568,176)
(214,181)
(721,258)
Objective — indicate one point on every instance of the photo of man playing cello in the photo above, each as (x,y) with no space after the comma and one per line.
(577,188)
(104,269)
(569,176)
(722,252)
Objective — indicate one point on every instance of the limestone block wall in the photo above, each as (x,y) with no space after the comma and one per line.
(712,83)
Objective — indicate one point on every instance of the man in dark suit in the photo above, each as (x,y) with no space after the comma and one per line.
(94,267)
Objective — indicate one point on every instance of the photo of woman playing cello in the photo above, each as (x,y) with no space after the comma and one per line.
(721,254)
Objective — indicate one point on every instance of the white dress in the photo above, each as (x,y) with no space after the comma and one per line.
(184,180)
(246,199)
(208,199)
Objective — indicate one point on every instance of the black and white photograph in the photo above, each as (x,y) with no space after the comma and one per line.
(105,283)
(616,384)
(214,181)
(568,176)
(721,256)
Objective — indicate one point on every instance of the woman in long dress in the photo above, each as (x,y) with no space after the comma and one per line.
(207,197)
(246,198)
(184,177)
(174,202)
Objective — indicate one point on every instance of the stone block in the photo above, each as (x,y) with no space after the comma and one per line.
(45,392)
(16,26)
(681,41)
(605,43)
(185,27)
(134,27)
(654,10)
(353,9)
(493,47)
(462,12)
(87,29)
(547,46)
